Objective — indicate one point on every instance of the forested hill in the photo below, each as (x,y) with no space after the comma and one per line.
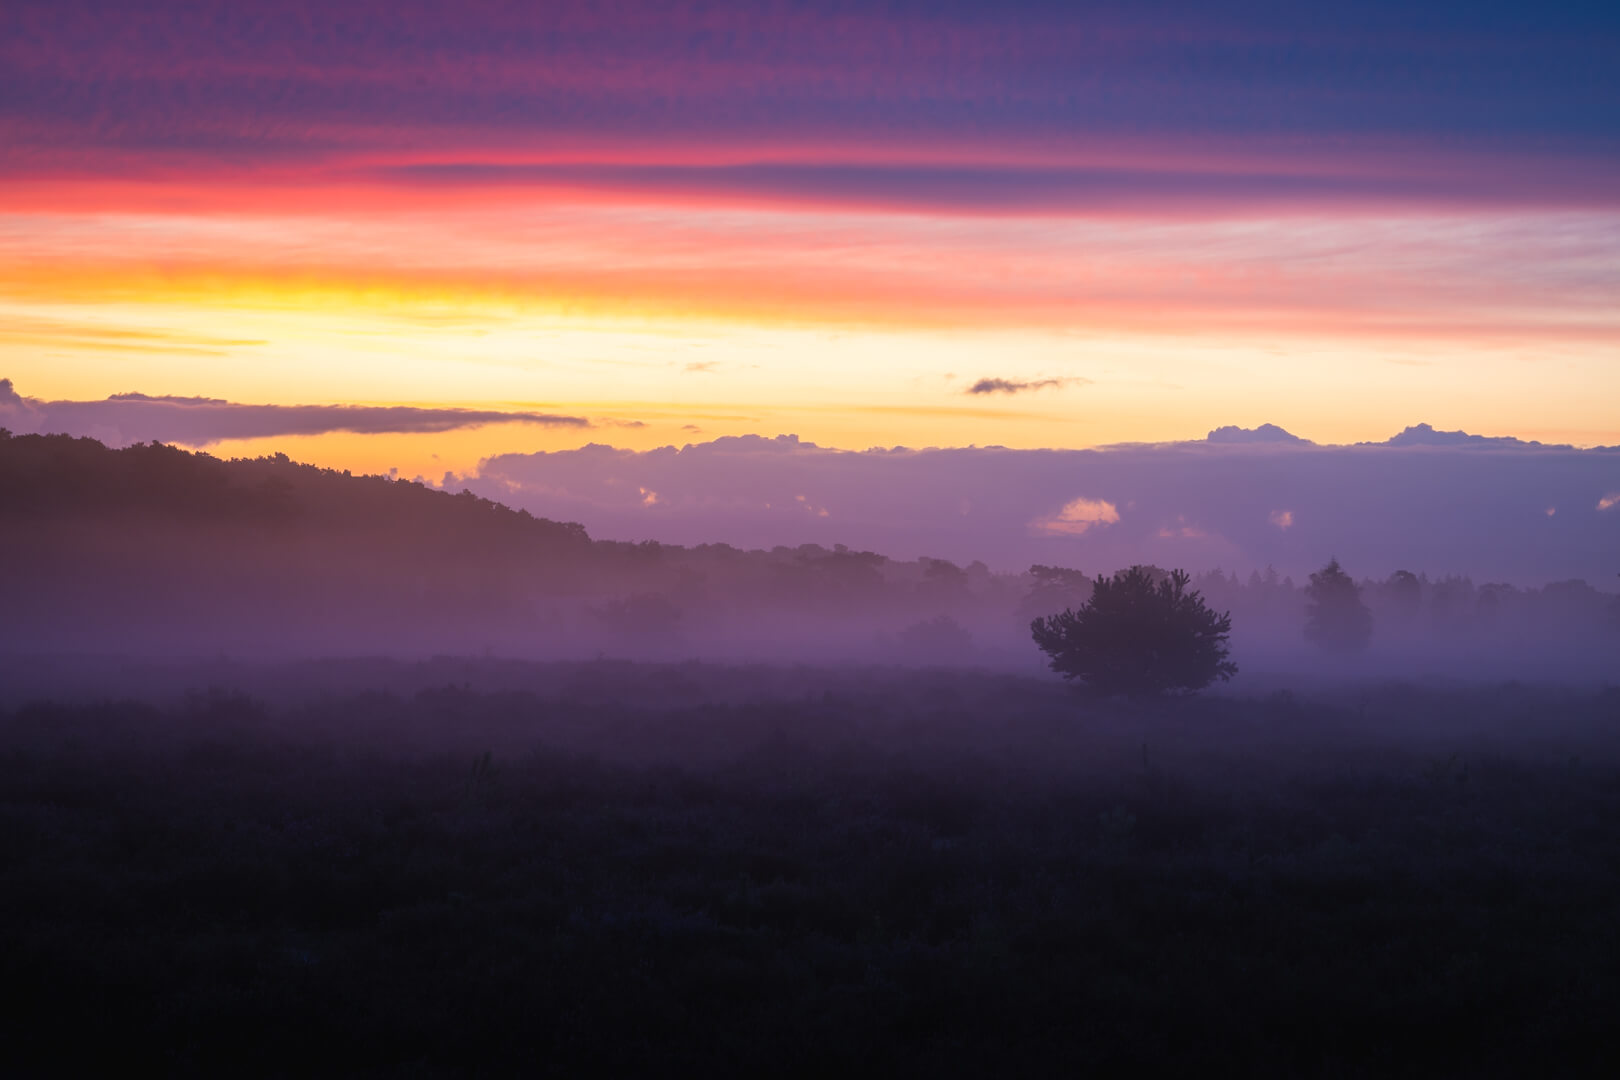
(66,478)
(153,547)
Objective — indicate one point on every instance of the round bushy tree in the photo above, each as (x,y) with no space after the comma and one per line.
(1335,617)
(1137,637)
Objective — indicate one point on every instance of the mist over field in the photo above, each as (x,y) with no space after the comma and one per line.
(153,551)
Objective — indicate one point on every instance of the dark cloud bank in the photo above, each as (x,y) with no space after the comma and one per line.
(123,419)
(1445,502)
(1018,386)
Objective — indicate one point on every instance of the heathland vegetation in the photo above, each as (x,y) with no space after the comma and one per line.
(639,868)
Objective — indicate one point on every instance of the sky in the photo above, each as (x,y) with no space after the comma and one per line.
(426,237)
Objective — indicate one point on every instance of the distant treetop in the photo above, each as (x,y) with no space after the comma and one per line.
(1335,617)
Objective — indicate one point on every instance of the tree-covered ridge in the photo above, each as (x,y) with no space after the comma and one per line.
(62,475)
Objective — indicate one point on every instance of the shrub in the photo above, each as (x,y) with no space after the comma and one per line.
(1137,637)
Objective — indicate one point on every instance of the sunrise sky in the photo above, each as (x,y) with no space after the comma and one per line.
(652,223)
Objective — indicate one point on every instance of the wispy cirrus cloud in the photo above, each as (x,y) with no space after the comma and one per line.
(201,421)
(1248,179)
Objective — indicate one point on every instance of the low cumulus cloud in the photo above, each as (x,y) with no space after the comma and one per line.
(1077,516)
(122,419)
(1265,433)
(1019,386)
(1424,435)
(1477,508)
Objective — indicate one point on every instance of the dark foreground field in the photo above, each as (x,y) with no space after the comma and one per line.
(659,869)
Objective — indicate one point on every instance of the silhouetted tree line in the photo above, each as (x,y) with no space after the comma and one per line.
(1144,631)
(1407,604)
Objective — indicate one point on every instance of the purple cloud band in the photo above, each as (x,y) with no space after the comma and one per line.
(1433,501)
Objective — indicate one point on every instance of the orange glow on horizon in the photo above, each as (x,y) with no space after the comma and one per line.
(851,328)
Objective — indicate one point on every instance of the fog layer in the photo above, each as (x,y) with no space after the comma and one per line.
(151,550)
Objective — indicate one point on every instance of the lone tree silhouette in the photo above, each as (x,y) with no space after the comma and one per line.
(1335,617)
(1135,637)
